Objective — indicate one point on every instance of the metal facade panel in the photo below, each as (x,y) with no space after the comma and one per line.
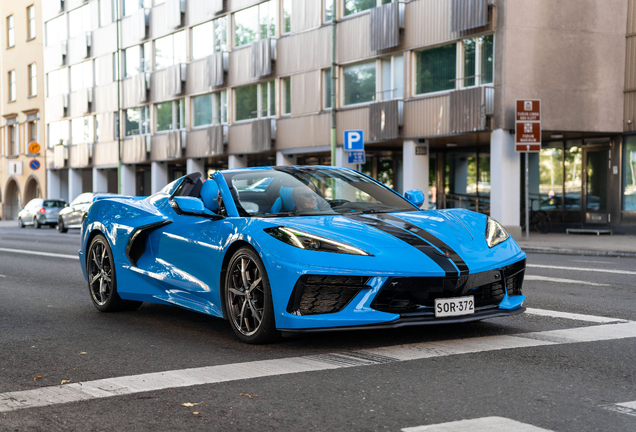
(54,108)
(166,146)
(306,15)
(468,14)
(106,121)
(261,135)
(104,41)
(353,39)
(239,138)
(197,77)
(133,150)
(427,23)
(306,92)
(630,111)
(235,5)
(172,84)
(104,69)
(631,17)
(630,64)
(105,153)
(50,158)
(427,117)
(54,56)
(239,66)
(172,13)
(384,30)
(383,120)
(50,9)
(304,131)
(105,98)
(200,11)
(135,27)
(135,90)
(314,45)
(77,50)
(78,155)
(261,58)
(214,69)
(205,142)
(60,154)
(352,119)
(468,110)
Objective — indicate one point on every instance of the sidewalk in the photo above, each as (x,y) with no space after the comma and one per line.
(580,244)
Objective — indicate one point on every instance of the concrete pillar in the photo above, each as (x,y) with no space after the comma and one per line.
(158,176)
(196,165)
(285,160)
(128,180)
(100,180)
(505,181)
(341,159)
(415,168)
(461,175)
(53,189)
(237,161)
(74,183)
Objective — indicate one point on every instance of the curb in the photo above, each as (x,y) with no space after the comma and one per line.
(584,252)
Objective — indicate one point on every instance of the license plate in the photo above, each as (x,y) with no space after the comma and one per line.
(454,306)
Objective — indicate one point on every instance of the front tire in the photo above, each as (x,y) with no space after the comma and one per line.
(248,299)
(102,280)
(20,223)
(60,226)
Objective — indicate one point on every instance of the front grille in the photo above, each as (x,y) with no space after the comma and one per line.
(319,294)
(409,294)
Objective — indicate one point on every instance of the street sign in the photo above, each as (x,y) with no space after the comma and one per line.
(528,125)
(34,148)
(356,157)
(34,165)
(353,140)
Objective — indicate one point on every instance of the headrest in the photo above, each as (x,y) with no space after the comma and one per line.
(209,194)
(286,193)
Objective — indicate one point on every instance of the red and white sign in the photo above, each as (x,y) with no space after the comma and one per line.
(528,125)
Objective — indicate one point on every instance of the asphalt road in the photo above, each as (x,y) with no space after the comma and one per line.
(544,369)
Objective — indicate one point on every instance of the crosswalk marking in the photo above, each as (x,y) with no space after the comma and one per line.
(573,316)
(484,424)
(49,254)
(127,385)
(625,408)
(585,269)
(558,280)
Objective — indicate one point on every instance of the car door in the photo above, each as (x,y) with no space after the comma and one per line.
(78,207)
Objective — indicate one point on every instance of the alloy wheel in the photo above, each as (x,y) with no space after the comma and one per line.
(245,296)
(100,273)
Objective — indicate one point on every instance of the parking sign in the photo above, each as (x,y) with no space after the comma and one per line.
(356,157)
(353,140)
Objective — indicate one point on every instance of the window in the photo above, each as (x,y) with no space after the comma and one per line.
(33,80)
(32,131)
(629,174)
(156,2)
(286,95)
(12,89)
(255,101)
(327,83)
(214,31)
(286,16)
(256,22)
(359,83)
(209,109)
(131,6)
(10,32)
(55,30)
(355,6)
(170,50)
(105,12)
(58,133)
(96,128)
(392,78)
(170,115)
(486,46)
(137,121)
(79,21)
(328,10)
(12,138)
(478,56)
(82,130)
(57,82)
(436,69)
(81,75)
(31,22)
(137,59)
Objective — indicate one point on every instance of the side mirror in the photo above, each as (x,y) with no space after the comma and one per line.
(415,196)
(191,206)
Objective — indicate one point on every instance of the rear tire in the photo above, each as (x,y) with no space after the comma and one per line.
(60,226)
(36,223)
(247,299)
(102,280)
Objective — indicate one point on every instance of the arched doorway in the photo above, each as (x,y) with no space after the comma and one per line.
(12,202)
(32,189)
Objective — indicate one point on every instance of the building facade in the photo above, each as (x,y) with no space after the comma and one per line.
(22,168)
(140,92)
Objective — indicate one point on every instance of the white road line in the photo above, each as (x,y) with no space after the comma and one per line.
(625,408)
(593,262)
(484,424)
(27,252)
(626,272)
(557,280)
(127,385)
(573,316)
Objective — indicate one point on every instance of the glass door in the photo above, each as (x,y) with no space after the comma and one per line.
(595,188)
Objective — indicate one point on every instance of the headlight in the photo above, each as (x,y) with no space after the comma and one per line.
(495,233)
(304,240)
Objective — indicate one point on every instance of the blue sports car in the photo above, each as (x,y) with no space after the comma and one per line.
(299,249)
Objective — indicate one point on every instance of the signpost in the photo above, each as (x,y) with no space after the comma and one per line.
(528,138)
(354,146)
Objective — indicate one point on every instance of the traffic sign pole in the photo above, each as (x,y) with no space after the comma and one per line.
(528,139)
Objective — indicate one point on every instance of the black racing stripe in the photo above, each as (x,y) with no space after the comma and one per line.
(411,239)
(452,254)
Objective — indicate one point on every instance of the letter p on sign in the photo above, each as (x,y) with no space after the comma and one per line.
(353,140)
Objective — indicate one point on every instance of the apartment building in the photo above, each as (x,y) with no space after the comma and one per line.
(140,92)
(22,173)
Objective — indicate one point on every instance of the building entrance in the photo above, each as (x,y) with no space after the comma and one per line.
(595,184)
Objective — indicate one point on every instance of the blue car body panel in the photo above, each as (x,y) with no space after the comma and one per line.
(183,255)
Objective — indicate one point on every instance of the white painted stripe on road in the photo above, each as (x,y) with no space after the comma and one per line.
(596,270)
(593,262)
(557,280)
(127,385)
(573,316)
(27,252)
(625,408)
(484,424)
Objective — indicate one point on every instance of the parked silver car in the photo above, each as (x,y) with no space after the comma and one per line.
(73,215)
(40,211)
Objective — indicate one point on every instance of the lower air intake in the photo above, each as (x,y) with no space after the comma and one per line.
(318,294)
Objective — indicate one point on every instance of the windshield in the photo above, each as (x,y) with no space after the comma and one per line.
(310,191)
